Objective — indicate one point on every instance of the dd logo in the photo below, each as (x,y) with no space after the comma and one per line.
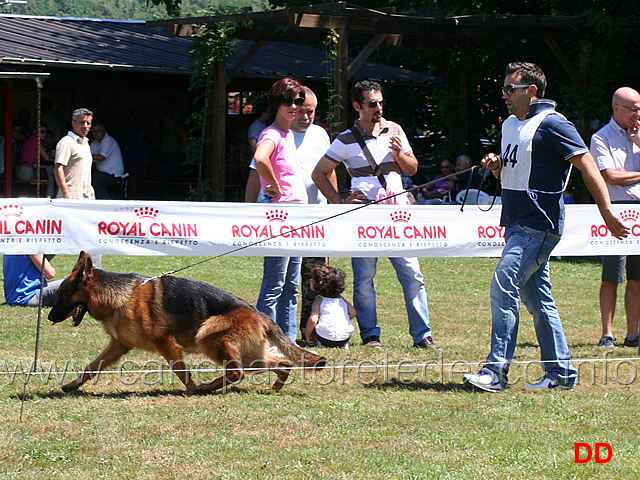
(589,451)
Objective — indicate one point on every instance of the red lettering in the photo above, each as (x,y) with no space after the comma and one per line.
(609,453)
(576,455)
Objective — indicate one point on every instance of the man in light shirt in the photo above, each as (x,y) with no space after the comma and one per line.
(617,154)
(107,159)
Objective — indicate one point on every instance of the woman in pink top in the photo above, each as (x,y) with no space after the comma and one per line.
(282,182)
(275,157)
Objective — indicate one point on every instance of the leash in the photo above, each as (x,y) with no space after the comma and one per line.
(355,209)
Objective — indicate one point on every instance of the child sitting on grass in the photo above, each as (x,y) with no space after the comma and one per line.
(329,323)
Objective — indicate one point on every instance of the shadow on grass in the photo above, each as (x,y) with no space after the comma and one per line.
(233,389)
(414,386)
(578,260)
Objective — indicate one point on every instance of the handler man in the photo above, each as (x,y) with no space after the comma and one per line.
(538,148)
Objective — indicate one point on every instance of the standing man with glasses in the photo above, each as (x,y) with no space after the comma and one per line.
(539,146)
(615,149)
(393,155)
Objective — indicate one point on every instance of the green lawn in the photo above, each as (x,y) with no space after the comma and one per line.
(410,419)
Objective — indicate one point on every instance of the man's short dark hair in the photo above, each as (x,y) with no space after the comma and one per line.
(530,73)
(357,91)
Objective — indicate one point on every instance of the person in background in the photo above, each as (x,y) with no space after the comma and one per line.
(73,159)
(281,182)
(72,169)
(28,162)
(439,190)
(615,149)
(22,280)
(253,191)
(539,146)
(463,162)
(107,160)
(391,151)
(329,323)
(312,142)
(258,125)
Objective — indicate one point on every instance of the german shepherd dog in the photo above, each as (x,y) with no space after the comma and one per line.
(169,315)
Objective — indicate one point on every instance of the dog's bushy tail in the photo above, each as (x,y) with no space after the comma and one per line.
(291,351)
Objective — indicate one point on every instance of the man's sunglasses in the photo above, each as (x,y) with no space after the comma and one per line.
(508,89)
(374,103)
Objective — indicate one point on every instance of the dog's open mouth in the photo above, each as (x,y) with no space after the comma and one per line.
(78,313)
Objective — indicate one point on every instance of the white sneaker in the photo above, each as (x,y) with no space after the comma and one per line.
(548,383)
(484,380)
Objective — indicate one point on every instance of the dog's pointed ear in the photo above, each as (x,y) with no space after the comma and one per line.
(84,266)
(88,264)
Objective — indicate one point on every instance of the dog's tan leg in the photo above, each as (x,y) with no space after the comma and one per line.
(172,352)
(114,351)
(282,369)
(233,373)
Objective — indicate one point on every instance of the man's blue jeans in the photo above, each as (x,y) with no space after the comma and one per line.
(415,296)
(523,271)
(279,292)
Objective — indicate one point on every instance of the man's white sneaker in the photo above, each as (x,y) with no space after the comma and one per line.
(484,380)
(549,384)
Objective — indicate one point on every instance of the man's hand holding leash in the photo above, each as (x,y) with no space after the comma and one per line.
(493,162)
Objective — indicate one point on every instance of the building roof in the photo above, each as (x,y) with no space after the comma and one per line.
(47,42)
(90,43)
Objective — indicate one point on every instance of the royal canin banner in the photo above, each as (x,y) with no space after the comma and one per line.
(211,229)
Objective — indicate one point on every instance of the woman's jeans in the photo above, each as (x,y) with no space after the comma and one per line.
(415,296)
(523,271)
(279,292)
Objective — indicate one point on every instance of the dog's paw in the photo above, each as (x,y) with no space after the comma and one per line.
(70,387)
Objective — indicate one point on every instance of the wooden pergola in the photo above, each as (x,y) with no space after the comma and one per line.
(372,28)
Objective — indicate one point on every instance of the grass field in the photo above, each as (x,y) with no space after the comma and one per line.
(412,419)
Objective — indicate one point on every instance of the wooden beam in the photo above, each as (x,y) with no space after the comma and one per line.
(218,131)
(564,61)
(365,53)
(586,52)
(255,48)
(341,82)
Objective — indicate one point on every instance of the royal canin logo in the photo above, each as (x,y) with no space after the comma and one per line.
(401,229)
(14,224)
(400,217)
(146,212)
(629,216)
(277,216)
(277,226)
(144,225)
(12,211)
